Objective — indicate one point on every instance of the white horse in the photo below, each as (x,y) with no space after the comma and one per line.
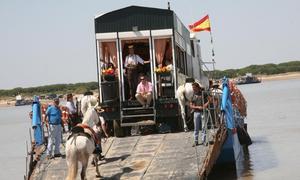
(79,148)
(184,95)
(87,101)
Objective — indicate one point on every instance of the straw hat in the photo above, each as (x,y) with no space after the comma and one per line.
(215,84)
(99,109)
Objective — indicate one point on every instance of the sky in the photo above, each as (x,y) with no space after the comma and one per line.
(53,41)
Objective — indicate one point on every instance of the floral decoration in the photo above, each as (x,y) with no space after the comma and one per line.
(109,71)
(164,69)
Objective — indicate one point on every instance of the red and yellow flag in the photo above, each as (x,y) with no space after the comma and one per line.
(201,25)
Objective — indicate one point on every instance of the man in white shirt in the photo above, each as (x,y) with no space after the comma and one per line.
(131,64)
(73,116)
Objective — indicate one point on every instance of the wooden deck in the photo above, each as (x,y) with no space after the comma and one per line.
(157,156)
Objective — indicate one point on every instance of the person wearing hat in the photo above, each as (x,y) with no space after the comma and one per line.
(53,121)
(87,101)
(131,64)
(197,105)
(103,125)
(101,130)
(214,107)
(73,115)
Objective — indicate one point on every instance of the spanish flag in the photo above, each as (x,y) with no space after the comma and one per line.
(201,25)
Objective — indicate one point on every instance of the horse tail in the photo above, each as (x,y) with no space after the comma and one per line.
(72,170)
(181,100)
(72,159)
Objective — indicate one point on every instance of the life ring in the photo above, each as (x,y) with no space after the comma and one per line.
(64,114)
(238,99)
(44,109)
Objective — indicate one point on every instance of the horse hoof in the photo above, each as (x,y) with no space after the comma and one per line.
(186,130)
(98,176)
(93,163)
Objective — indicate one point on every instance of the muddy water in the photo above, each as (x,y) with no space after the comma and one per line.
(274,126)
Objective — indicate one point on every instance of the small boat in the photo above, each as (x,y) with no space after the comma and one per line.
(248,79)
(22,102)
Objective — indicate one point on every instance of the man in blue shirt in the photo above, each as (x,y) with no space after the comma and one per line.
(53,118)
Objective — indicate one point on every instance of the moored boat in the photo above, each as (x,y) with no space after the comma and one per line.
(248,79)
(21,102)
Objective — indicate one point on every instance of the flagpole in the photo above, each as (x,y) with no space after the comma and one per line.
(212,54)
(204,25)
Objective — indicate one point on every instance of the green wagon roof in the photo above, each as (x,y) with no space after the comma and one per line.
(144,18)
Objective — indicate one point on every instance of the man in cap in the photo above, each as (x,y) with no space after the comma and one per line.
(73,116)
(88,100)
(131,62)
(53,120)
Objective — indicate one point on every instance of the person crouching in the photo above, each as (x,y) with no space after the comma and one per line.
(144,92)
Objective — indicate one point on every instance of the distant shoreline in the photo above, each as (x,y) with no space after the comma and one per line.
(284,76)
(7,103)
(11,102)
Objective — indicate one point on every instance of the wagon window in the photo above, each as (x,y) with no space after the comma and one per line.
(109,54)
(192,48)
(180,60)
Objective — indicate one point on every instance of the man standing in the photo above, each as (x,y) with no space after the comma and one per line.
(144,92)
(73,116)
(88,100)
(131,65)
(53,119)
(197,106)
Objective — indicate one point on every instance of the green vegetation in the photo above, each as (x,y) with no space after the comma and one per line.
(265,69)
(77,88)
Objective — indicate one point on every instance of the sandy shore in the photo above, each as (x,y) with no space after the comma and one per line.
(7,103)
(284,76)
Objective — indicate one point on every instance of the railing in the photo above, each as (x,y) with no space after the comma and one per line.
(212,116)
(29,157)
(33,155)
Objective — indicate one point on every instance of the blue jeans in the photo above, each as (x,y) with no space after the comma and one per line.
(197,126)
(54,138)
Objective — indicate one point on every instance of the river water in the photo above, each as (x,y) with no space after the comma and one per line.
(14,132)
(273,124)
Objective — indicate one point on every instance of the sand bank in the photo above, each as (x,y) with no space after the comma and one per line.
(7,103)
(283,76)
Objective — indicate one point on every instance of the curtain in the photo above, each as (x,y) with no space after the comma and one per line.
(168,55)
(110,53)
(160,47)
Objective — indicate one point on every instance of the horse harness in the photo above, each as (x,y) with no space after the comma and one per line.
(84,130)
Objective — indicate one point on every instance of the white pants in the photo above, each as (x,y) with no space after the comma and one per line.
(54,138)
(144,98)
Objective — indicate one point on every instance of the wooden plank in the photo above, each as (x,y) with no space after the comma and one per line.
(213,152)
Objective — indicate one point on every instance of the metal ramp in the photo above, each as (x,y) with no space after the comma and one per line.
(133,114)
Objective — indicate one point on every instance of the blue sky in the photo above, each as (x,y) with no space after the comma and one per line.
(50,42)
